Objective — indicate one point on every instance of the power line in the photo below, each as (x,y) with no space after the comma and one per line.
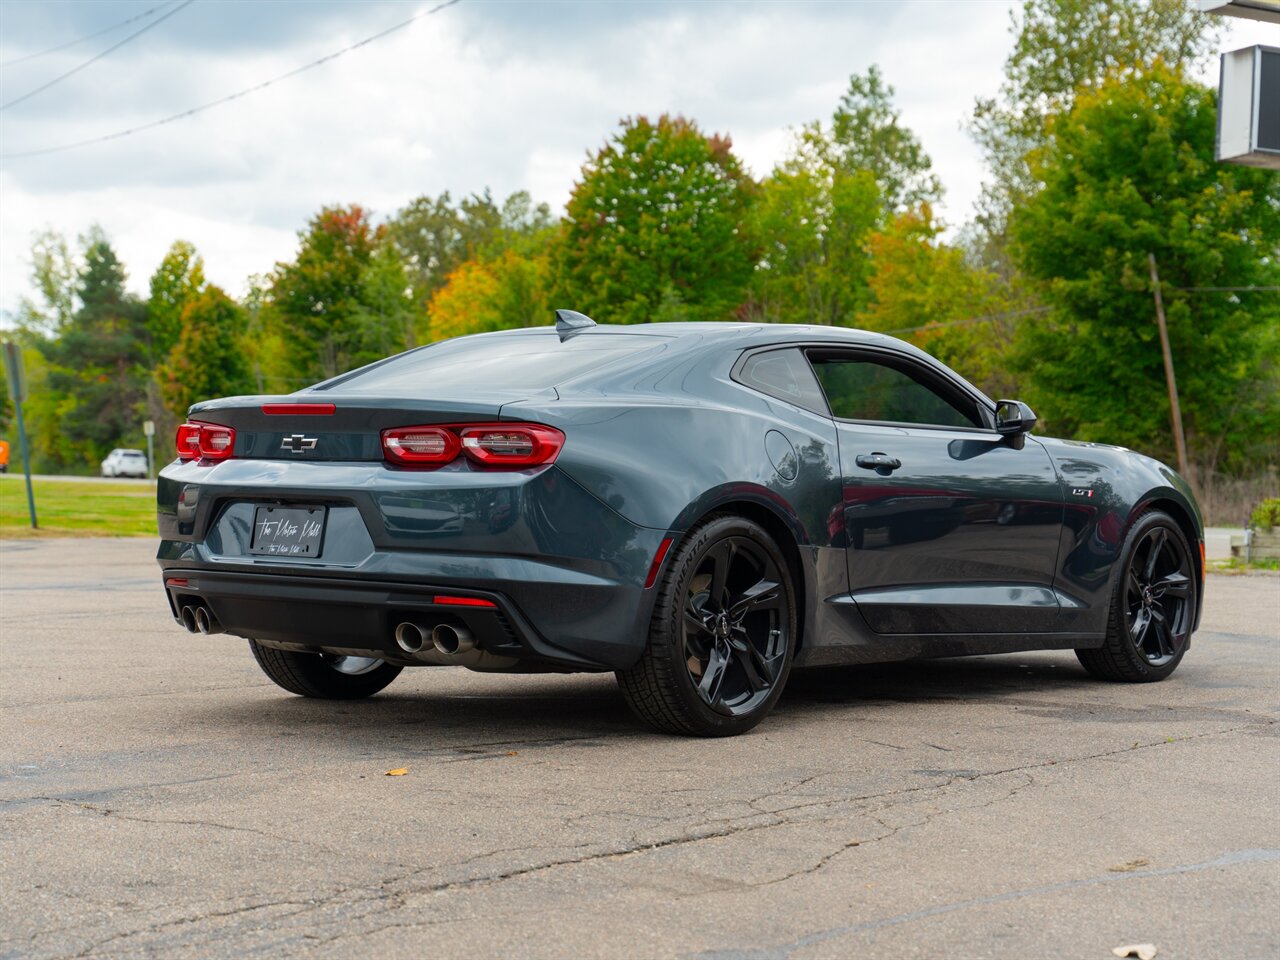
(94,59)
(227,99)
(72,43)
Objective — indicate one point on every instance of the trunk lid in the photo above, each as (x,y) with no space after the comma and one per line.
(343,427)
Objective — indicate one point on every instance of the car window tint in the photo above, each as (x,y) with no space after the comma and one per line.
(860,389)
(784,374)
(524,362)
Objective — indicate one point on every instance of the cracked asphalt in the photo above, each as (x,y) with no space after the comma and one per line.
(159,797)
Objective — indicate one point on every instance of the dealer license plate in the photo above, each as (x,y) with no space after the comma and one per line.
(288,531)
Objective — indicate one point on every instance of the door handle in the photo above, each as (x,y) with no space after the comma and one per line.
(878,461)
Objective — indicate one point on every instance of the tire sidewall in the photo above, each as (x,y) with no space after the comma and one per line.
(670,611)
(1119,613)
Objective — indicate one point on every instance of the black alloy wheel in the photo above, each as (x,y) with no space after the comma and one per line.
(1153,609)
(733,628)
(723,633)
(1158,589)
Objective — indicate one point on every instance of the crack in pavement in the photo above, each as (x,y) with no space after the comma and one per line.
(392,900)
(785,950)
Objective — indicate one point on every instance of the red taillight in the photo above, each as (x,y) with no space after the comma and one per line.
(299,409)
(188,441)
(205,441)
(511,445)
(427,445)
(488,444)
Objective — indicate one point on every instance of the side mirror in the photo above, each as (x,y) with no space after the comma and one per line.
(1014,418)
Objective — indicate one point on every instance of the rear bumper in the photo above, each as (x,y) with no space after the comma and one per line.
(359,617)
(565,571)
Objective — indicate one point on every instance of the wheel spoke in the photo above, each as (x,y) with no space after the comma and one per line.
(1175,585)
(1135,586)
(1159,537)
(758,669)
(721,557)
(713,676)
(1164,637)
(1138,629)
(761,595)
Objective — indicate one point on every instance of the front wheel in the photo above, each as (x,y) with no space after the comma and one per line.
(722,635)
(323,676)
(1153,605)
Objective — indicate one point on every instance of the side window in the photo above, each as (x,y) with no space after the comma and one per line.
(861,389)
(784,374)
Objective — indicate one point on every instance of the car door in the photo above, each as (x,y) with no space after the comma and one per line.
(950,527)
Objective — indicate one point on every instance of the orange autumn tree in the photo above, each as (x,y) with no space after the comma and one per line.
(924,291)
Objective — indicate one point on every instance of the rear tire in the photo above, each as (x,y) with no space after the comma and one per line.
(722,636)
(1152,608)
(314,675)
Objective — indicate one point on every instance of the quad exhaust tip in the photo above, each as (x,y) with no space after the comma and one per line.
(410,638)
(198,618)
(451,640)
(444,638)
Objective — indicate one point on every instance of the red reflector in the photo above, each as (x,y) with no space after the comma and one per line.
(658,557)
(298,409)
(177,582)
(465,602)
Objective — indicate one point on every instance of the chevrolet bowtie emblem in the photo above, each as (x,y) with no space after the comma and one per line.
(296,443)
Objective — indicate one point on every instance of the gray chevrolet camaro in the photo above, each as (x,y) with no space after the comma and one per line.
(697,507)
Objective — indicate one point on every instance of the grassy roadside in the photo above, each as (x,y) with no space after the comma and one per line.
(74,508)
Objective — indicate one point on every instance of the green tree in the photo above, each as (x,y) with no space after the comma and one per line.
(341,302)
(819,207)
(433,236)
(927,292)
(867,134)
(177,281)
(655,227)
(55,273)
(1061,48)
(207,361)
(1129,171)
(498,293)
(95,388)
(813,222)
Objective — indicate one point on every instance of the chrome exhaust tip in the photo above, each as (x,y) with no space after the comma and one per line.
(410,637)
(187,617)
(206,622)
(451,640)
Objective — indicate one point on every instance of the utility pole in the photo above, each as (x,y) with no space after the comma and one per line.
(1175,411)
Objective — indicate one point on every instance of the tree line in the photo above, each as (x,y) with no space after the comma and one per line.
(1099,147)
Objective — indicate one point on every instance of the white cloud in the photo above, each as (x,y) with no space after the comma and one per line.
(500,95)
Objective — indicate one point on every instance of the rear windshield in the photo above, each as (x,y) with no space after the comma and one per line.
(526,362)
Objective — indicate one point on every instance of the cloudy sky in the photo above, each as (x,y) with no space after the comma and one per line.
(509,94)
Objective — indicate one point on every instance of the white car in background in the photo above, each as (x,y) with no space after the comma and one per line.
(125,463)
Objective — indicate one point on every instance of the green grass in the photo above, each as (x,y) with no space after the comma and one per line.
(74,508)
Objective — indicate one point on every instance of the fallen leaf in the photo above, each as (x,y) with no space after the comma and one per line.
(512,753)
(1143,951)
(1129,867)
(398,772)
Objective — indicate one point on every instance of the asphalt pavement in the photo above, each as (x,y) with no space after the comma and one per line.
(159,797)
